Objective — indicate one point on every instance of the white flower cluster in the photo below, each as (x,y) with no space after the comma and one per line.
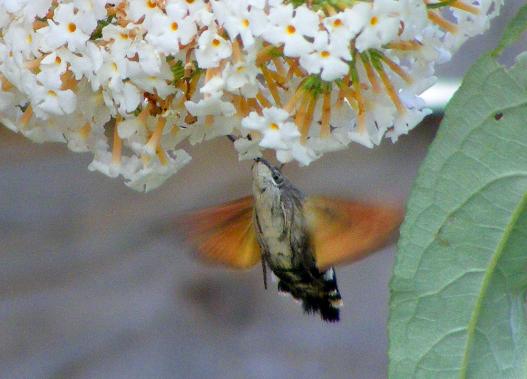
(132,80)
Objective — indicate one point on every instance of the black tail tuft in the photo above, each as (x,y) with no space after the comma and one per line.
(328,312)
(318,296)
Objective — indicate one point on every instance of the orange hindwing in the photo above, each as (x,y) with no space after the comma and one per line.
(225,234)
(343,231)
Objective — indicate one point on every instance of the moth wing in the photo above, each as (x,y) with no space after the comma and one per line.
(345,231)
(225,234)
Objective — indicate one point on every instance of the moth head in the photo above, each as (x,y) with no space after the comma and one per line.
(265,176)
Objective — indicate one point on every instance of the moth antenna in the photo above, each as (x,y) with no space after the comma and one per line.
(264,269)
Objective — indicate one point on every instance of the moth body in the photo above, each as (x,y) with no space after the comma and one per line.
(285,244)
(299,238)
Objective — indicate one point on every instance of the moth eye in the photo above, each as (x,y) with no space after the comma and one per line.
(277,178)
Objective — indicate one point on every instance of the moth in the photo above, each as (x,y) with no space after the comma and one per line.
(300,239)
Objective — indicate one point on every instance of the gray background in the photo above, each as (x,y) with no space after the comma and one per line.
(96,283)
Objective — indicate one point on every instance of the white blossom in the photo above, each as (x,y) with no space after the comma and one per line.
(381,23)
(212,48)
(156,173)
(168,31)
(278,133)
(289,26)
(129,81)
(68,27)
(238,20)
(328,59)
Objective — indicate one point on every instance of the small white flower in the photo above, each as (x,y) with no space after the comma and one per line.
(238,20)
(345,25)
(361,137)
(55,102)
(298,152)
(339,139)
(67,27)
(212,48)
(380,23)
(124,98)
(51,69)
(205,129)
(28,8)
(213,87)
(95,9)
(247,148)
(404,123)
(93,108)
(119,37)
(327,59)
(158,83)
(36,132)
(166,32)
(414,18)
(113,71)
(84,64)
(211,106)
(378,118)
(156,173)
(22,39)
(148,58)
(242,76)
(291,30)
(144,10)
(193,7)
(104,163)
(277,132)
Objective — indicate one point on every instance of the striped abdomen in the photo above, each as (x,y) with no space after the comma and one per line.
(317,291)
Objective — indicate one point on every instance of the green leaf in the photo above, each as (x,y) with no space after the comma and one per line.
(459,281)
(513,31)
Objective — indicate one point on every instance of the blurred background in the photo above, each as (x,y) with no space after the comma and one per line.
(95,281)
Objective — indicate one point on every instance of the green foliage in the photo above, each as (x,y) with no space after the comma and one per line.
(178,71)
(513,31)
(321,4)
(101,24)
(458,287)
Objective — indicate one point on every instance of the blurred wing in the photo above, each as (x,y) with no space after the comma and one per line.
(225,234)
(345,231)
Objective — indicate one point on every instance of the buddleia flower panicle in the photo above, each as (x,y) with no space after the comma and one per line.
(131,81)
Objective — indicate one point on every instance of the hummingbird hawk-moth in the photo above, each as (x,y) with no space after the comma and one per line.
(298,238)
